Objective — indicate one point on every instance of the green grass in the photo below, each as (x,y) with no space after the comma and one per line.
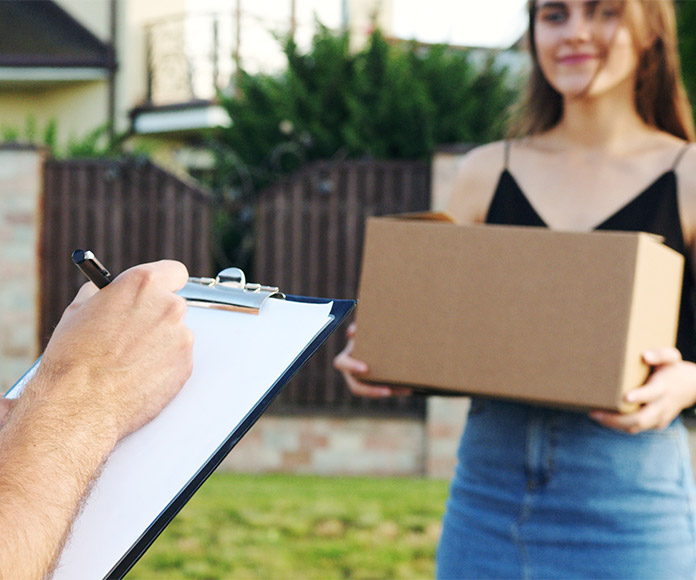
(301,527)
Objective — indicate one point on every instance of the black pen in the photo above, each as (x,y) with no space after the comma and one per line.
(88,264)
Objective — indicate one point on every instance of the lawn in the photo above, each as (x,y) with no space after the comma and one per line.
(301,527)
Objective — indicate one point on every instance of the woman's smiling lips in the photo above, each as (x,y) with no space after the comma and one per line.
(576,58)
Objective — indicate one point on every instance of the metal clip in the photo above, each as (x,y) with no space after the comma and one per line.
(229,290)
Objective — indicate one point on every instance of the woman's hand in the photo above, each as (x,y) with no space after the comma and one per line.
(670,388)
(352,369)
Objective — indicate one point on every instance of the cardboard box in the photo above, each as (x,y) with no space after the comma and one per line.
(556,318)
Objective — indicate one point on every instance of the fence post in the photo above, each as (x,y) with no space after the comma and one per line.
(20,222)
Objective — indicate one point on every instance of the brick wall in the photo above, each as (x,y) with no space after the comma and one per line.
(20,200)
(354,446)
(331,446)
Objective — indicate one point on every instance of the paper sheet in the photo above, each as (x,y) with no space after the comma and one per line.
(237,359)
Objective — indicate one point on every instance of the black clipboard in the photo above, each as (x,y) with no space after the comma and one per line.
(112,566)
(339,311)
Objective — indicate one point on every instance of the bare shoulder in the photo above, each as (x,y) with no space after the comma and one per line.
(477,176)
(686,178)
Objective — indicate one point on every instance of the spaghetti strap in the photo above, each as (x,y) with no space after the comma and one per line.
(506,158)
(681,153)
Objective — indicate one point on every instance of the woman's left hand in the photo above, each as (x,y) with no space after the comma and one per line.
(670,388)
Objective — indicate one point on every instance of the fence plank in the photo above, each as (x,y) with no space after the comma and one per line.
(127,212)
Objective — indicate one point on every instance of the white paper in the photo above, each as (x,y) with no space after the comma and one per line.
(237,359)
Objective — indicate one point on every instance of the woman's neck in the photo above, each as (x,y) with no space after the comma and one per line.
(608,122)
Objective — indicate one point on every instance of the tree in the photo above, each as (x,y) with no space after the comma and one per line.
(279,121)
(686,20)
(387,101)
(396,101)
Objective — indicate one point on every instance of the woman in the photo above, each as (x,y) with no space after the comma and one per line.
(603,144)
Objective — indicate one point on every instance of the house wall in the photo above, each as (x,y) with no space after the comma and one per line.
(77,108)
(81,107)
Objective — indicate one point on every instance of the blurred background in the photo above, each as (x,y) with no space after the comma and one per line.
(259,134)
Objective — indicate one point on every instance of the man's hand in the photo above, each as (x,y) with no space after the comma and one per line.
(120,354)
(116,358)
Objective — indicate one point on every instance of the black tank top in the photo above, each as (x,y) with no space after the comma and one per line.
(654,210)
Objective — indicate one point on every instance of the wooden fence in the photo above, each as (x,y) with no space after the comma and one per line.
(309,238)
(126,211)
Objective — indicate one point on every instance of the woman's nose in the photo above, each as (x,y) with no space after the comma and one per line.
(579,25)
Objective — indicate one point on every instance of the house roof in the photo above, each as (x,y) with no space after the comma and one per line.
(39,33)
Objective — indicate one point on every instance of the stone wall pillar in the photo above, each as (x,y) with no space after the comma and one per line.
(444,423)
(20,215)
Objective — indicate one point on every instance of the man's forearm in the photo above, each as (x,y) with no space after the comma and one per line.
(115,359)
(45,470)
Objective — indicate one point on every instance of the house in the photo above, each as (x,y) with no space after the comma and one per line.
(146,71)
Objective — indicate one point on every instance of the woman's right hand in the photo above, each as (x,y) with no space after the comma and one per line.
(352,369)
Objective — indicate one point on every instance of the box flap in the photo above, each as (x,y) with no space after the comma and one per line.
(433,216)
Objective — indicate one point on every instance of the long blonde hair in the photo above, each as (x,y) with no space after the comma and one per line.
(660,96)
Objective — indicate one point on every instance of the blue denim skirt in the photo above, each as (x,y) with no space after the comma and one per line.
(542,493)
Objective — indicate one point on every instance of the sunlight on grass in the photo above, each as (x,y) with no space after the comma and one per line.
(283,526)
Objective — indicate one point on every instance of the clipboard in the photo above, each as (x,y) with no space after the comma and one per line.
(153,472)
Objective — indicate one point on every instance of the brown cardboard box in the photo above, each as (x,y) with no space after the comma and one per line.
(558,318)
